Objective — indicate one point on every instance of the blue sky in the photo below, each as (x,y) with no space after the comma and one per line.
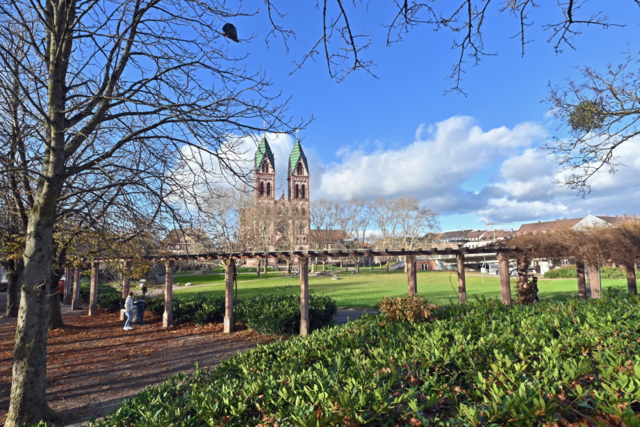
(471,158)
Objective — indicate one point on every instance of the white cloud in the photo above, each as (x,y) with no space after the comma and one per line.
(523,179)
(513,181)
(432,167)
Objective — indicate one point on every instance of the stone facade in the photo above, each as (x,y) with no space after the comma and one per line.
(278,224)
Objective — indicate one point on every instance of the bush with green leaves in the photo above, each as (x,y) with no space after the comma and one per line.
(197,309)
(569,272)
(280,314)
(269,315)
(482,363)
(108,297)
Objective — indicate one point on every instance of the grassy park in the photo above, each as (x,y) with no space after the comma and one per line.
(366,290)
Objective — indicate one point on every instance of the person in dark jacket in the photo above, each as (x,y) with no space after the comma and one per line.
(534,289)
(61,290)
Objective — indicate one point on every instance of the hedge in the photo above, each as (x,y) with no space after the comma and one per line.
(269,315)
(108,297)
(569,272)
(479,364)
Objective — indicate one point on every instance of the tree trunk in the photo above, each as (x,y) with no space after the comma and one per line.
(387,265)
(259,265)
(288,265)
(264,267)
(55,314)
(14,276)
(357,266)
(324,264)
(28,403)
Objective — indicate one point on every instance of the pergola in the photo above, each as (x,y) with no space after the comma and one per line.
(504,254)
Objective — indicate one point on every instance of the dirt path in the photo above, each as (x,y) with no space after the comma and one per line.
(92,364)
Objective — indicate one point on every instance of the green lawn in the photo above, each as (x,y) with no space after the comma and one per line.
(219,278)
(367,290)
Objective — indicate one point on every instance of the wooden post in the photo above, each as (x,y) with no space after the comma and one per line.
(167,316)
(594,280)
(631,278)
(410,263)
(304,296)
(93,296)
(462,286)
(582,283)
(505,282)
(126,283)
(229,319)
(75,301)
(67,286)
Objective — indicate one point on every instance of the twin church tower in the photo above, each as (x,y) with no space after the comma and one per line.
(289,224)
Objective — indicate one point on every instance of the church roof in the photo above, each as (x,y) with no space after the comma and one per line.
(297,154)
(264,150)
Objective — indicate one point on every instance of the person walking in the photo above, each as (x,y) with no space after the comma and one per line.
(128,311)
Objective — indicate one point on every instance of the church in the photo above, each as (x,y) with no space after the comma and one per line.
(278,224)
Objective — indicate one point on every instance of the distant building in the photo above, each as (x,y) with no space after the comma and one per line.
(586,222)
(187,241)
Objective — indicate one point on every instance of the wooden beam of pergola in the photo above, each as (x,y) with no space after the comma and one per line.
(303,256)
(322,254)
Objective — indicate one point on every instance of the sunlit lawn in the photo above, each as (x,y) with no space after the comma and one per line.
(367,290)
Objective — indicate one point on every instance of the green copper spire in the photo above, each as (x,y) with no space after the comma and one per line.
(264,150)
(297,154)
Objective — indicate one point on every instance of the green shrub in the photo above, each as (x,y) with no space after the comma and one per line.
(280,314)
(269,315)
(108,297)
(479,364)
(569,272)
(197,309)
(406,309)
(612,273)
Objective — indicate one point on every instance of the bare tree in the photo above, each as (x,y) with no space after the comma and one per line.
(601,114)
(342,45)
(355,219)
(123,80)
(387,223)
(325,218)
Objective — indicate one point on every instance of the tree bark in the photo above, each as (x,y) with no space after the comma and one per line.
(324,264)
(14,275)
(28,403)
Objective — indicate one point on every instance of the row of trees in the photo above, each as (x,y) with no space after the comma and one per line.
(383,224)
